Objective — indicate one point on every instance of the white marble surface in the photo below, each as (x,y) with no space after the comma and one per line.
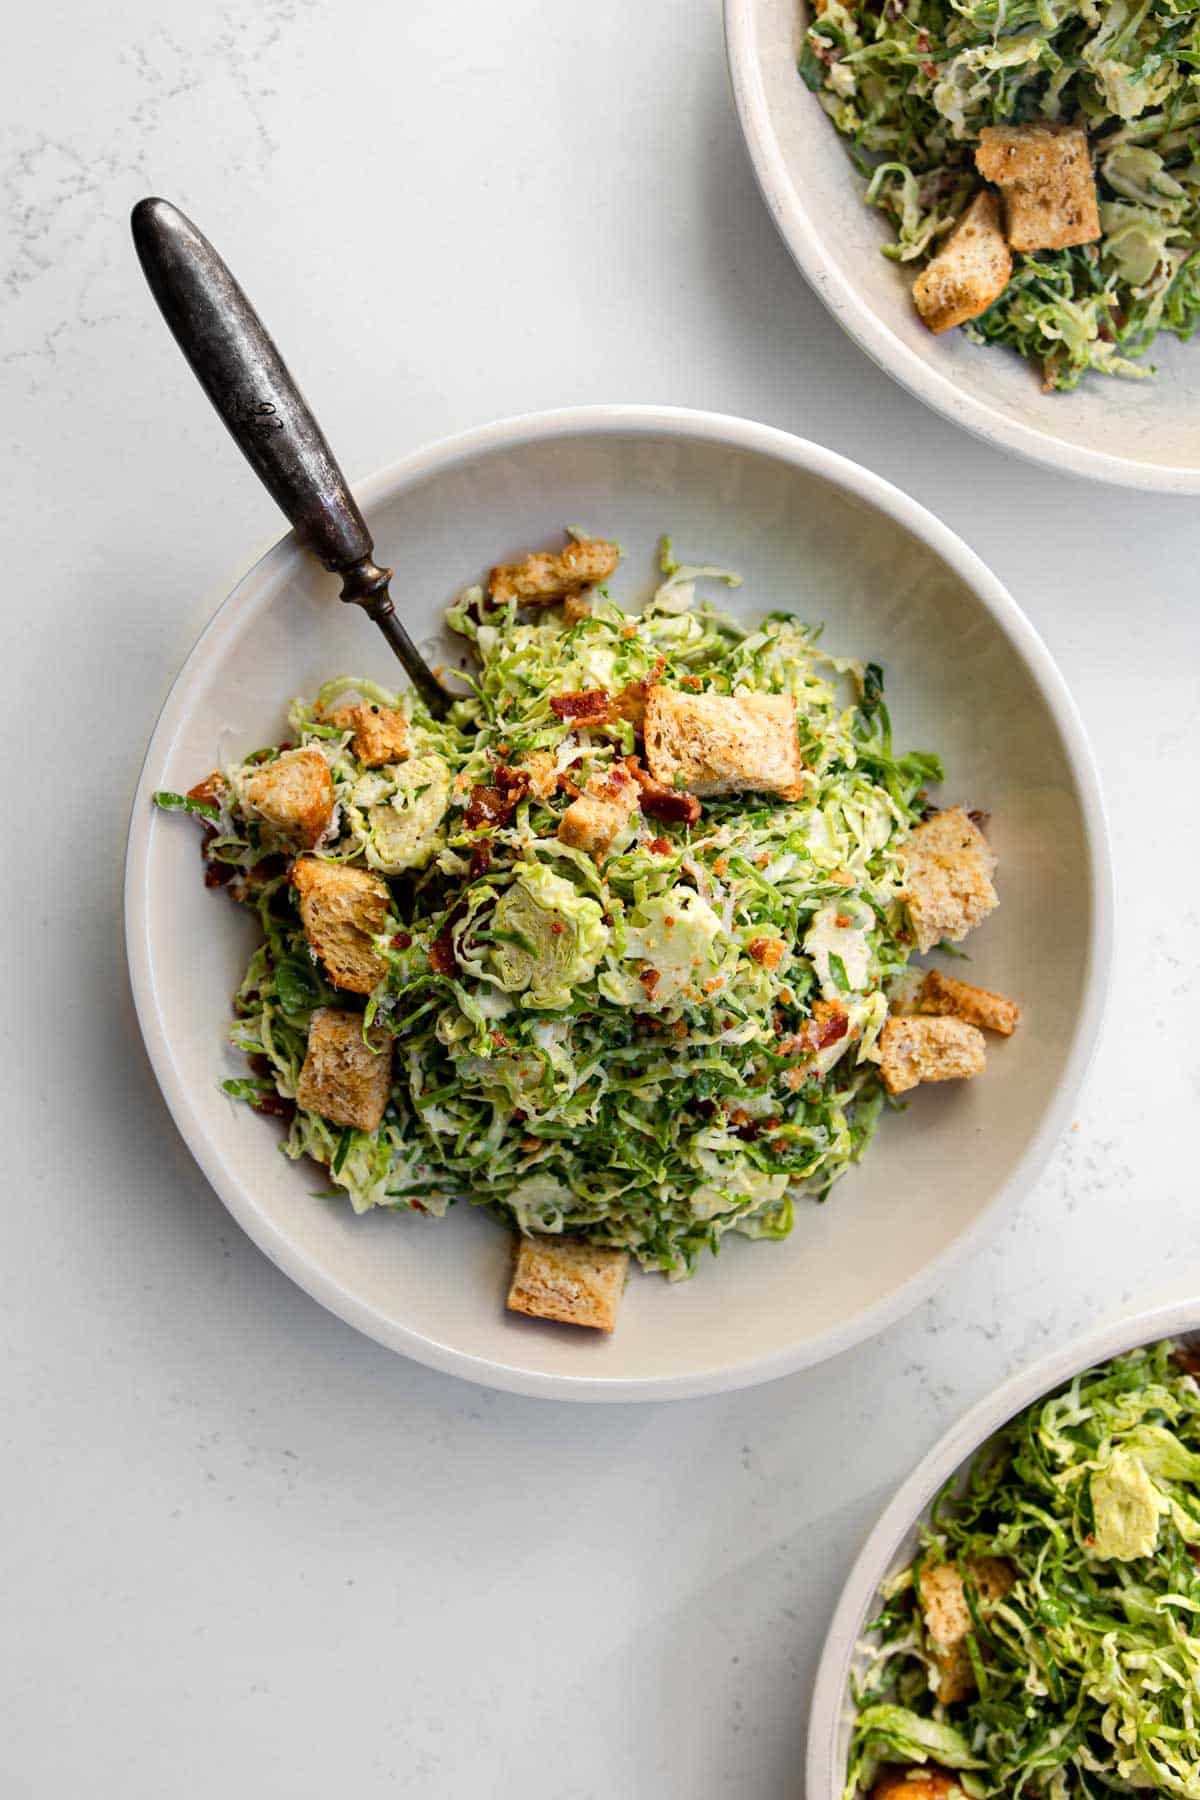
(246,1552)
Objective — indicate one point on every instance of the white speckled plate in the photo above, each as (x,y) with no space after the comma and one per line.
(967,675)
(891,1544)
(1143,434)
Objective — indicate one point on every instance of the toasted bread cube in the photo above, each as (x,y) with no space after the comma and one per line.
(594,821)
(948,868)
(295,795)
(915,1049)
(1045,174)
(344,1079)
(380,733)
(342,911)
(948,1617)
(969,272)
(724,743)
(546,576)
(958,999)
(925,1783)
(542,771)
(560,1278)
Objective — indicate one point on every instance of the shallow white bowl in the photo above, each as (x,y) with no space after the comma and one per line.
(1143,434)
(892,1542)
(967,675)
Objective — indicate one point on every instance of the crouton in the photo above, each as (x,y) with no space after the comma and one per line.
(978,1006)
(380,733)
(948,1617)
(969,272)
(344,1079)
(342,910)
(925,1783)
(947,878)
(546,576)
(294,794)
(603,810)
(724,743)
(542,771)
(560,1278)
(1045,174)
(915,1050)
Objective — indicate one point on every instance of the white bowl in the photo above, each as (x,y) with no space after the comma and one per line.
(892,1542)
(966,674)
(1143,434)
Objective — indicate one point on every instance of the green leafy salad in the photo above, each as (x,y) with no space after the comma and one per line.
(644,1043)
(1054,1606)
(912,83)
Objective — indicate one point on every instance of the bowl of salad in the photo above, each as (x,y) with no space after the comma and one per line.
(1022,1619)
(1001,205)
(669,1013)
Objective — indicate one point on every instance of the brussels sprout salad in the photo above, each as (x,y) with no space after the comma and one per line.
(1045,1641)
(934,94)
(609,948)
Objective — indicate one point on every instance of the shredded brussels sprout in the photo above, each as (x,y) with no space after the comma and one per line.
(1085,1675)
(624,1050)
(911,85)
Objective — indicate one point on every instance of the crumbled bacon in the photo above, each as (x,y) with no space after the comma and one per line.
(766,950)
(208,791)
(658,801)
(402,940)
(481,860)
(659,846)
(650,979)
(494,803)
(442,959)
(274,1106)
(592,707)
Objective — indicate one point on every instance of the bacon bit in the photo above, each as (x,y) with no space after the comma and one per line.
(650,979)
(762,859)
(418,1206)
(659,846)
(260,1064)
(495,803)
(767,951)
(557,927)
(842,921)
(930,69)
(714,984)
(691,681)
(721,866)
(569,787)
(274,1106)
(442,959)
(216,875)
(829,1024)
(592,707)
(481,860)
(794,1078)
(208,791)
(629,631)
(499,1040)
(658,801)
(402,940)
(678,1029)
(503,749)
